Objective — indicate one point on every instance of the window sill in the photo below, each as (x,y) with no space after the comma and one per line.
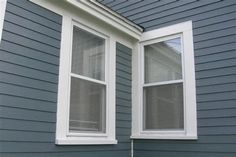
(165,137)
(85,142)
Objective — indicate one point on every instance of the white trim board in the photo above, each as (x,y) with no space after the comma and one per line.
(110,11)
(165,31)
(3,4)
(65,9)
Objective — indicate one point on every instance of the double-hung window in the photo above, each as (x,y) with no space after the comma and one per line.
(86,88)
(163,85)
(87,83)
(166,106)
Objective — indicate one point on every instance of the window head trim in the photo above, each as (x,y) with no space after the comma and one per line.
(183,30)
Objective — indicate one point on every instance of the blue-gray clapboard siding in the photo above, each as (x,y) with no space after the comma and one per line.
(214,29)
(29,67)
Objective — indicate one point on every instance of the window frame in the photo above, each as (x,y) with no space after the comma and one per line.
(89,79)
(158,83)
(184,31)
(63,136)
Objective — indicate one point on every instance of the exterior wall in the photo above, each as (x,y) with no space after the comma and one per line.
(29,63)
(214,28)
(29,66)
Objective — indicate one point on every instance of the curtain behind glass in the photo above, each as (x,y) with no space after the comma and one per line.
(88,55)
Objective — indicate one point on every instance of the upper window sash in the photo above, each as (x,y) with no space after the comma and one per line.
(156,41)
(98,34)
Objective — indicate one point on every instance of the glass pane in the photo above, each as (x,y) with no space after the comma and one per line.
(163,107)
(163,61)
(88,54)
(87,106)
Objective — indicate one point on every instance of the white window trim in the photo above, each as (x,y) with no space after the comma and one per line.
(63,136)
(190,120)
(3,4)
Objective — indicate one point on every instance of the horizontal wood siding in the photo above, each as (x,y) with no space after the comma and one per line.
(214,29)
(29,68)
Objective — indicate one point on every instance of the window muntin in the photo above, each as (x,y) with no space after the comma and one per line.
(87,83)
(163,102)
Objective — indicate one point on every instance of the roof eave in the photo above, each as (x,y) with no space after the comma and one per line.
(109,16)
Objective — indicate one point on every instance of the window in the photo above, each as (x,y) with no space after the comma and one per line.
(166,86)
(86,103)
(163,86)
(3,4)
(88,85)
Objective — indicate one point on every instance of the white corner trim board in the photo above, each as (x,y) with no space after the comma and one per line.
(3,4)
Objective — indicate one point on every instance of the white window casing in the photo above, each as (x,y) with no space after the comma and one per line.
(189,131)
(63,136)
(3,4)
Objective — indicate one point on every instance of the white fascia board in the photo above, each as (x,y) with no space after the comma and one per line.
(108,16)
(107,9)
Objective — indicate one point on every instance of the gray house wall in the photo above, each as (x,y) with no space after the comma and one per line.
(29,67)
(214,30)
(29,63)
